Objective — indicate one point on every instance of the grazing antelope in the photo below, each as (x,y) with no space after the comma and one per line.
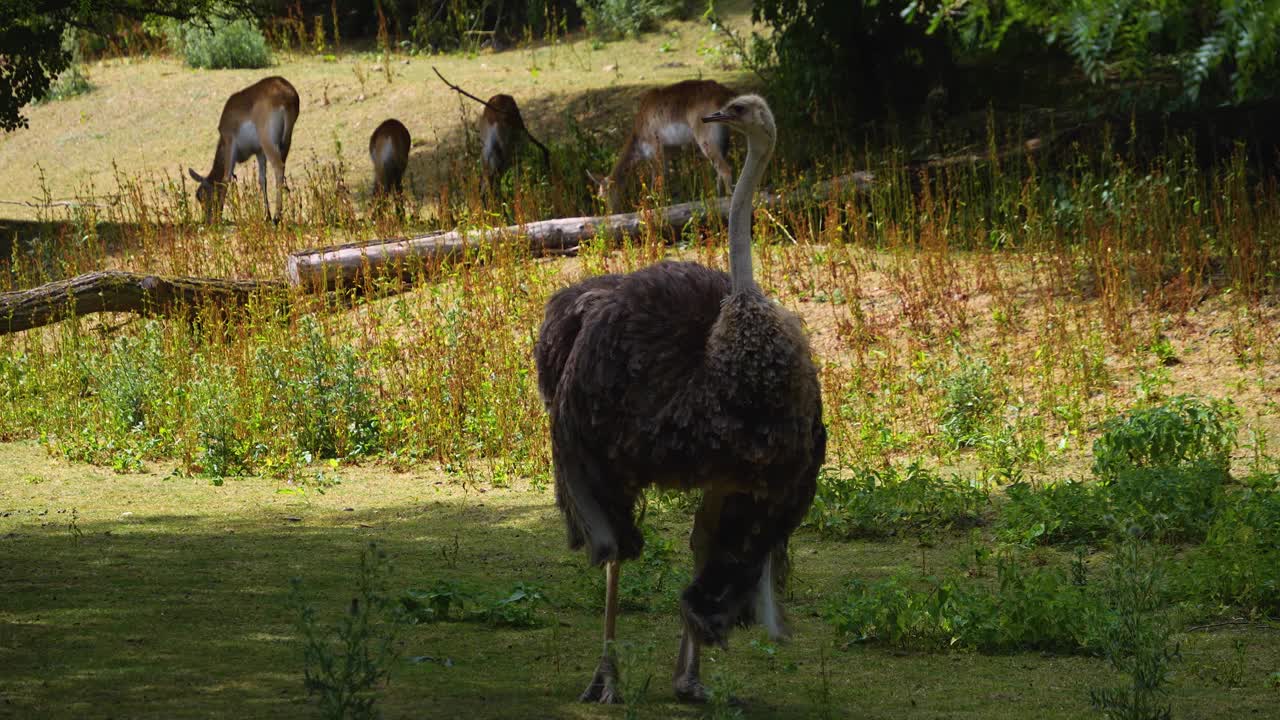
(671,117)
(389,151)
(257,121)
(502,133)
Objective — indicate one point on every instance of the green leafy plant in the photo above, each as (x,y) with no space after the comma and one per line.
(1239,562)
(72,81)
(967,405)
(447,601)
(627,18)
(1136,638)
(1184,429)
(868,502)
(219,43)
(1174,504)
(1040,608)
(655,577)
(345,664)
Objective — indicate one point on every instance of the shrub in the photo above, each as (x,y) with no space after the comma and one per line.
(968,403)
(1174,504)
(1180,431)
(627,18)
(325,393)
(1239,562)
(346,663)
(1038,609)
(1065,512)
(220,43)
(866,502)
(72,81)
(1135,638)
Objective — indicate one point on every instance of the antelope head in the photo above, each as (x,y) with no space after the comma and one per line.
(606,189)
(208,193)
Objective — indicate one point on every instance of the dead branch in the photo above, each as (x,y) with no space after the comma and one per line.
(119,291)
(546,154)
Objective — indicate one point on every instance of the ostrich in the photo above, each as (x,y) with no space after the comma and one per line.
(684,377)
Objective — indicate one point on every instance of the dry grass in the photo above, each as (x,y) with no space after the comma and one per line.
(155,117)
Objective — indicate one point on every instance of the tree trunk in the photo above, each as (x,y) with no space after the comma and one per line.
(118,291)
(329,268)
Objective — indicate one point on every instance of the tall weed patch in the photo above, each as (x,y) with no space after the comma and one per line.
(869,502)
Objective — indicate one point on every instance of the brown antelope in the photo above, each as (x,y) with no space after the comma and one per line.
(257,121)
(502,133)
(670,117)
(389,151)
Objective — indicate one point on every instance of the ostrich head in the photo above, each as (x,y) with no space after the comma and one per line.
(749,115)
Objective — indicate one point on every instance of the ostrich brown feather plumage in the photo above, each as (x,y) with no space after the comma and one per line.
(685,377)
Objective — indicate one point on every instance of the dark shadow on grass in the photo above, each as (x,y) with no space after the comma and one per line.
(182,615)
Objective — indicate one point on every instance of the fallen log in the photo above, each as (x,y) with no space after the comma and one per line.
(349,266)
(353,265)
(119,291)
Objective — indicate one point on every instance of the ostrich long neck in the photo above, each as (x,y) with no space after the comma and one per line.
(758,152)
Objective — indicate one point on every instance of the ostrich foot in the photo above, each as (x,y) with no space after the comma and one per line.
(689,689)
(604,684)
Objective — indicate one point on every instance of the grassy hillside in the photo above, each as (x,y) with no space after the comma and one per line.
(155,117)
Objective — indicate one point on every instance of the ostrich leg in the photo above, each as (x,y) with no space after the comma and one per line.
(687,680)
(604,685)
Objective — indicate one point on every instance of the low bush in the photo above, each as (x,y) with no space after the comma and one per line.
(1064,512)
(1173,504)
(1037,609)
(866,502)
(968,404)
(1239,562)
(219,43)
(627,18)
(1182,430)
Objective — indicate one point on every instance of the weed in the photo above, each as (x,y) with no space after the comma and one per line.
(634,677)
(1029,609)
(723,690)
(1183,429)
(864,502)
(968,404)
(654,579)
(1174,504)
(344,665)
(1135,639)
(1239,562)
(446,601)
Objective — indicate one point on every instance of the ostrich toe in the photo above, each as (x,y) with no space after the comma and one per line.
(603,688)
(690,689)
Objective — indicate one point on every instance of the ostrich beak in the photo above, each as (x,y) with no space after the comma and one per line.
(717,116)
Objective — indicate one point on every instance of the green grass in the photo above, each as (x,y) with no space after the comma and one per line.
(168,597)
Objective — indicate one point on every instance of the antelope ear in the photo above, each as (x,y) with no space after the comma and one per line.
(195,176)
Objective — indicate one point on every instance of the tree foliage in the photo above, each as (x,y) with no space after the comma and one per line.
(31,50)
(825,54)
(1221,50)
(850,54)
